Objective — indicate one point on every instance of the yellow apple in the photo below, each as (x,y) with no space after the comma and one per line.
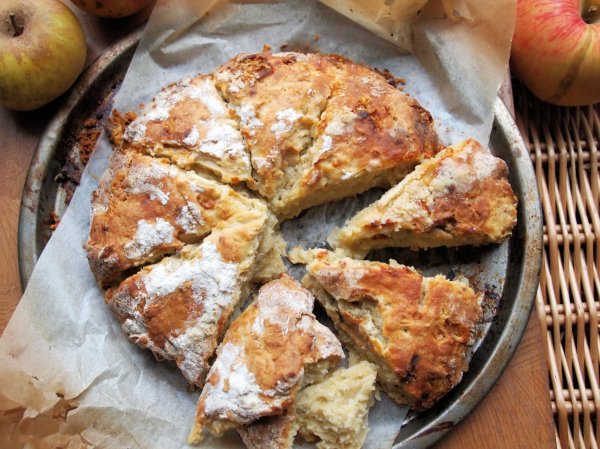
(556,50)
(111,9)
(42,52)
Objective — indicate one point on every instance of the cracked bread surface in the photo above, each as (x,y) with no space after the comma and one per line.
(417,330)
(179,307)
(189,123)
(460,197)
(146,208)
(321,128)
(278,99)
(261,361)
(370,135)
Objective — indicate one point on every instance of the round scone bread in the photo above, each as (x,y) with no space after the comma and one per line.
(185,227)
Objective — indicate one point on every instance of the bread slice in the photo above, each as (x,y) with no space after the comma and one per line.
(261,362)
(190,124)
(146,208)
(320,127)
(179,307)
(335,412)
(417,330)
(460,197)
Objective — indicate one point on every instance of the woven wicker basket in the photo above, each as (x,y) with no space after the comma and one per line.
(563,143)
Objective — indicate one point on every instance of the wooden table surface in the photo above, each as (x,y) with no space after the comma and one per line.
(515,414)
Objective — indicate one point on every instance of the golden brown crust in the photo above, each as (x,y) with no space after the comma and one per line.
(370,134)
(316,127)
(261,361)
(460,197)
(279,100)
(146,208)
(418,330)
(339,129)
(189,123)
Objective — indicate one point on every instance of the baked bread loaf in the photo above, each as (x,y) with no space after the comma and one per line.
(146,208)
(417,330)
(335,412)
(320,127)
(263,359)
(184,221)
(179,307)
(460,197)
(190,124)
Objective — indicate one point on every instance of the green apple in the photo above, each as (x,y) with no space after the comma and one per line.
(42,52)
(556,50)
(111,9)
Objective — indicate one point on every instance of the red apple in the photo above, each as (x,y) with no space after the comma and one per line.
(111,9)
(42,52)
(556,50)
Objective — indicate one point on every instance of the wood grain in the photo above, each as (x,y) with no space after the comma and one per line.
(516,413)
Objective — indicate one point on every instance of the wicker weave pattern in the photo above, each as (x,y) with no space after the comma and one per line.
(563,143)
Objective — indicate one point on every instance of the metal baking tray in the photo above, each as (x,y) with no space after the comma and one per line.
(45,198)
(517,271)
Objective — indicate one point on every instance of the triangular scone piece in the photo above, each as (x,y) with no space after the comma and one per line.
(145,208)
(370,134)
(189,123)
(179,307)
(417,330)
(321,128)
(335,412)
(279,99)
(460,197)
(261,362)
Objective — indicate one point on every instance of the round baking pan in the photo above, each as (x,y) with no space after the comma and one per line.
(44,199)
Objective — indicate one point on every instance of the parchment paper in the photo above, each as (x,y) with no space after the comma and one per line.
(68,376)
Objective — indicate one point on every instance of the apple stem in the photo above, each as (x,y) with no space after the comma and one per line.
(17,29)
(591,14)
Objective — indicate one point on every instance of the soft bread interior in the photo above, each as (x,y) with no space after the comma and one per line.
(335,411)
